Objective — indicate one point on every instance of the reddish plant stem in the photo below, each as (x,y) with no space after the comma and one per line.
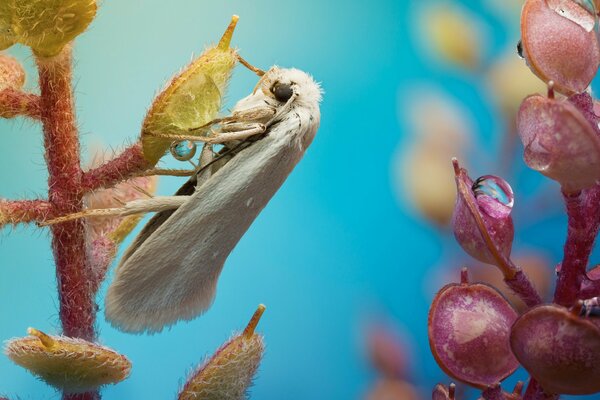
(14,102)
(581,234)
(493,393)
(535,392)
(23,211)
(77,306)
(128,164)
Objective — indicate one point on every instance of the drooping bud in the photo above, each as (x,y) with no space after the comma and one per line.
(482,220)
(12,74)
(191,99)
(559,348)
(44,25)
(560,43)
(72,365)
(469,325)
(559,142)
(229,372)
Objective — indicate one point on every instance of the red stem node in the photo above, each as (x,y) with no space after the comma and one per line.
(535,392)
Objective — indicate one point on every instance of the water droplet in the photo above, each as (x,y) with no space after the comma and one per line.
(520,49)
(183,150)
(493,187)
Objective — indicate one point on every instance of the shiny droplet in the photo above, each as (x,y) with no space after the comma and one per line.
(494,187)
(183,150)
(520,49)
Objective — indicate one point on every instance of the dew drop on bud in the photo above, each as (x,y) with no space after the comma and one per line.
(183,150)
(494,195)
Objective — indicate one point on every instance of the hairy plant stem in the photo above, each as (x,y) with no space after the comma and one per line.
(583,224)
(76,299)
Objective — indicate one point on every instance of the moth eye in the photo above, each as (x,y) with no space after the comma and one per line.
(183,150)
(282,92)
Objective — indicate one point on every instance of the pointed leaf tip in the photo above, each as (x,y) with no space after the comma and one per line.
(249,330)
(226,38)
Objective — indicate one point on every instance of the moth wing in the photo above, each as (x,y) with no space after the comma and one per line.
(173,273)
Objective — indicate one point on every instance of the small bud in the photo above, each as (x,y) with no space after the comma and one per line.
(12,74)
(559,348)
(482,220)
(560,43)
(44,25)
(191,99)
(559,142)
(387,352)
(442,392)
(72,365)
(469,326)
(229,372)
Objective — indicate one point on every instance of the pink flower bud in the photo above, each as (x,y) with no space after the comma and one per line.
(559,142)
(482,222)
(469,328)
(560,349)
(560,43)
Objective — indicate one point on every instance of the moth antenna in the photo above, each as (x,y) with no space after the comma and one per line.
(251,67)
(121,202)
(249,331)
(142,191)
(97,212)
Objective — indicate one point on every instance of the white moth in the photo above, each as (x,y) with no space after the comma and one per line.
(170,271)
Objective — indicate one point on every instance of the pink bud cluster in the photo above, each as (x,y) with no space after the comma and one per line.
(476,335)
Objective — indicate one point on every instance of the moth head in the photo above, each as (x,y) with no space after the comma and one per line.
(287,86)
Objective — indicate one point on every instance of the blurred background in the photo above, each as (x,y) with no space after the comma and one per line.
(349,253)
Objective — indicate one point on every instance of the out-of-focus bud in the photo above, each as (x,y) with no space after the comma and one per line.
(482,220)
(392,389)
(72,365)
(12,74)
(469,325)
(421,168)
(560,43)
(559,142)
(511,81)
(191,99)
(44,25)
(464,46)
(559,348)
(387,351)
(229,372)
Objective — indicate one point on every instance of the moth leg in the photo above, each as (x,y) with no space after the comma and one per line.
(220,137)
(263,113)
(141,206)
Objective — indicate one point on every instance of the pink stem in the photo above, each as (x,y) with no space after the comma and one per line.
(23,211)
(493,393)
(581,234)
(535,392)
(14,102)
(130,162)
(77,305)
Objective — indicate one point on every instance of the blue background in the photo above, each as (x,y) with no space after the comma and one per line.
(333,250)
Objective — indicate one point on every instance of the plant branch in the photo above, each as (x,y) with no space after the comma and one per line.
(129,163)
(24,211)
(15,103)
(77,307)
(581,234)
